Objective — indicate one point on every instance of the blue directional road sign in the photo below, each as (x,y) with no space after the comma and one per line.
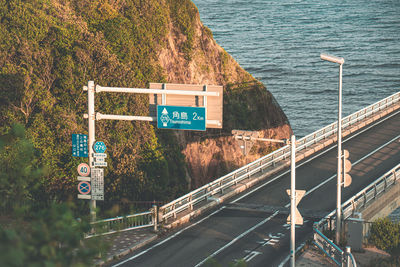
(181,118)
(99,147)
(80,145)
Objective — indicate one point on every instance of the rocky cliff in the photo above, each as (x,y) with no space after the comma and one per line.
(247,103)
(50,49)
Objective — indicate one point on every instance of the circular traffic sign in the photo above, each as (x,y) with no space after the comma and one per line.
(84,188)
(99,147)
(83,169)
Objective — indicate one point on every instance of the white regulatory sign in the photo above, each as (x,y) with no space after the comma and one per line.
(97,182)
(99,155)
(100,164)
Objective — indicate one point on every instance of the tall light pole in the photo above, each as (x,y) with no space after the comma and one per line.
(340,61)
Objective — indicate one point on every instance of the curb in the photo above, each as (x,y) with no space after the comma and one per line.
(127,251)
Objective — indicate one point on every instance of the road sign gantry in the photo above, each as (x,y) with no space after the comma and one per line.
(194,94)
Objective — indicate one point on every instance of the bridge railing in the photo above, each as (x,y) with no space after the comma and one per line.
(364,197)
(188,201)
(340,257)
(349,208)
(122,223)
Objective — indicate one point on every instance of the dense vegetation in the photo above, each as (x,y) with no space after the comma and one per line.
(35,233)
(50,49)
(385,235)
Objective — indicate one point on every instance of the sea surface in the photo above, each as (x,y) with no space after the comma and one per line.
(280,41)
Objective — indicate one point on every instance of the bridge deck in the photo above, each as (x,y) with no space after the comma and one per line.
(262,238)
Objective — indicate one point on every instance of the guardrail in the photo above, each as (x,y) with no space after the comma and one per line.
(338,256)
(354,204)
(205,192)
(365,196)
(123,223)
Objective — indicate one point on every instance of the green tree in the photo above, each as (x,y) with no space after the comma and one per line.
(41,234)
(50,237)
(385,234)
(19,173)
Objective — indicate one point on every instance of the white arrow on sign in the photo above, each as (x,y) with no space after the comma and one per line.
(299,195)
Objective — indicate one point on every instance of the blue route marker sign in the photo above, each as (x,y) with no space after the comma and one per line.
(181,118)
(80,145)
(99,147)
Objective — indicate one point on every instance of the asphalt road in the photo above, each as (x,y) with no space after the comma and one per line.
(237,230)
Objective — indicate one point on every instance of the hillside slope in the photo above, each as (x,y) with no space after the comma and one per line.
(50,49)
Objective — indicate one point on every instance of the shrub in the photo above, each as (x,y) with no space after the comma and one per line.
(385,234)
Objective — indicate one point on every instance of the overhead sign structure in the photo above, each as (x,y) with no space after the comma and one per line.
(80,145)
(97,182)
(213,104)
(182,118)
(83,169)
(299,195)
(245,139)
(99,147)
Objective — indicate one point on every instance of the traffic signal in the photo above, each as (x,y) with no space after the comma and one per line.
(346,169)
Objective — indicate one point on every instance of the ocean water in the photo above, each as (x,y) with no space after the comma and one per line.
(280,41)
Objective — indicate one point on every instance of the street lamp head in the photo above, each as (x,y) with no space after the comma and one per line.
(333,59)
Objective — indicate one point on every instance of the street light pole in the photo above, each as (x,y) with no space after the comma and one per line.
(339,61)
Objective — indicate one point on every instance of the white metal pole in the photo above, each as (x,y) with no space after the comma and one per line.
(91,119)
(292,199)
(339,165)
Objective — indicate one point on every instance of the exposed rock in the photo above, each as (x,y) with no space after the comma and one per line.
(214,153)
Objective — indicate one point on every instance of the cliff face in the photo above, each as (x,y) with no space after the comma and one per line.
(50,49)
(247,103)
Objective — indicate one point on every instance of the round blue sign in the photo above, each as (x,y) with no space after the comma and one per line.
(99,147)
(84,188)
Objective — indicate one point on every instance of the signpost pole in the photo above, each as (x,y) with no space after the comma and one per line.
(91,137)
(292,199)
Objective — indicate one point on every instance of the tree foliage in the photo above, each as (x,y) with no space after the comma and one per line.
(49,50)
(385,234)
(49,237)
(35,232)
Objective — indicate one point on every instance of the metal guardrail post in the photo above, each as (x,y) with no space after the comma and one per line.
(348,251)
(155,217)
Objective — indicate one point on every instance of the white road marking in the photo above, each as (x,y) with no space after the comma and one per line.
(167,239)
(310,159)
(355,163)
(237,238)
(251,255)
(287,226)
(288,257)
(252,191)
